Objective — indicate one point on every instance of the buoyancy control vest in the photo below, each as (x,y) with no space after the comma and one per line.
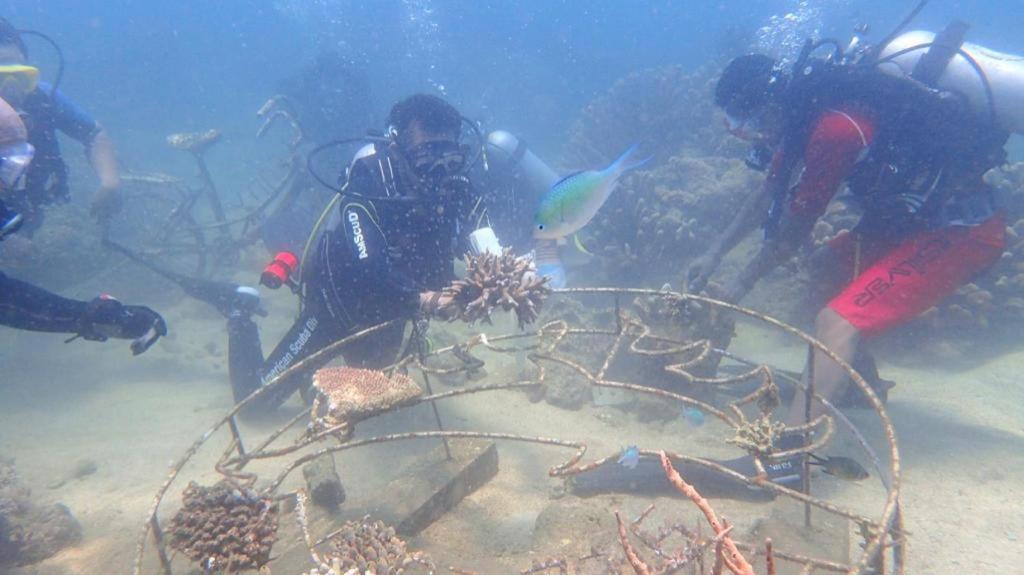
(47,179)
(421,232)
(929,152)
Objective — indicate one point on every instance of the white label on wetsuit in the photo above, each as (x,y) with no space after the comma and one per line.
(293,351)
(357,235)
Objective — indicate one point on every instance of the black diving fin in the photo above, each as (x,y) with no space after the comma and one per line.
(648,478)
(226,297)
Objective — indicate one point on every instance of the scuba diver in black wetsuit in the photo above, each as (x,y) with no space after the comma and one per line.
(25,306)
(384,253)
(511,183)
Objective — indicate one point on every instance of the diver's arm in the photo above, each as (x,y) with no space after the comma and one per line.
(834,147)
(25,306)
(99,149)
(104,162)
(28,307)
(751,214)
(791,234)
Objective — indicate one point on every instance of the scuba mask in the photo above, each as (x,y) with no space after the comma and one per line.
(743,127)
(14,160)
(437,160)
(17,81)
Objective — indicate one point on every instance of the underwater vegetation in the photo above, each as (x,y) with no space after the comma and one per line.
(29,530)
(666,110)
(665,216)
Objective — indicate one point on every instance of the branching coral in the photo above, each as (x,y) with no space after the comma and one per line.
(492,281)
(758,437)
(223,528)
(667,109)
(661,218)
(727,553)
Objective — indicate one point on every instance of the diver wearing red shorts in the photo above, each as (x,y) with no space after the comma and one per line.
(889,275)
(911,132)
(913,157)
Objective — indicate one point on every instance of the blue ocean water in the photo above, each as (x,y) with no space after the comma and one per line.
(146,69)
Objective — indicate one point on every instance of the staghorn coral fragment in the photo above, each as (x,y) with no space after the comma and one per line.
(492,281)
(758,437)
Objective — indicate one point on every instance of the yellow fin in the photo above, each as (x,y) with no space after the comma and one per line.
(579,244)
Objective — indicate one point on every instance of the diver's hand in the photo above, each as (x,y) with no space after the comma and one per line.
(105,203)
(734,290)
(549,262)
(105,317)
(554,271)
(436,303)
(701,270)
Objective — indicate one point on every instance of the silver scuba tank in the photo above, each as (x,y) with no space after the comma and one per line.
(1004,74)
(504,147)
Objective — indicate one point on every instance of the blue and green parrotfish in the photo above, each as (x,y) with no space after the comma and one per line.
(572,202)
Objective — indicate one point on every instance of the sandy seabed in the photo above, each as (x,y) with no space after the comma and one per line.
(961,436)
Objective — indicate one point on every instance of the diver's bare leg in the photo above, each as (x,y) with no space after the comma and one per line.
(830,380)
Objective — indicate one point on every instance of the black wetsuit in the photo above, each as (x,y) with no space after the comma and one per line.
(376,255)
(25,306)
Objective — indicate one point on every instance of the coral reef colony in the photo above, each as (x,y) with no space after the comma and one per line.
(666,216)
(345,395)
(373,547)
(662,217)
(492,282)
(224,528)
(29,531)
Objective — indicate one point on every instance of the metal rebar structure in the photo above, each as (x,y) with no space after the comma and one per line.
(749,418)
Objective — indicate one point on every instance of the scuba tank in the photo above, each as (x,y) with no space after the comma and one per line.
(992,82)
(513,152)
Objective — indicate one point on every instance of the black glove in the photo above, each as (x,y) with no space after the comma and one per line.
(105,317)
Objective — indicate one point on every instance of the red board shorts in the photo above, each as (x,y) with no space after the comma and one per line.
(915,275)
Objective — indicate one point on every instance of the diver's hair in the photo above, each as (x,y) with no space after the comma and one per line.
(9,35)
(433,114)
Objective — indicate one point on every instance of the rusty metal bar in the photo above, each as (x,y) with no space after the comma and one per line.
(161,550)
(805,458)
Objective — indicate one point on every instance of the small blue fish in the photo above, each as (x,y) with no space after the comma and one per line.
(572,202)
(630,457)
(693,416)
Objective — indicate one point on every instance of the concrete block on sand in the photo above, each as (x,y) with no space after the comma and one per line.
(322,482)
(432,485)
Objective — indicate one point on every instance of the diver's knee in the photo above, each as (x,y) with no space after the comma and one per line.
(830,327)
